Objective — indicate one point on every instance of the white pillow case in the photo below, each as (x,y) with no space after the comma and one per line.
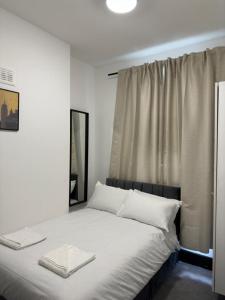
(107,198)
(150,209)
(178,202)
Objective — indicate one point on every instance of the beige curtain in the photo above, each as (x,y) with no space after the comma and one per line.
(199,73)
(163,133)
(143,148)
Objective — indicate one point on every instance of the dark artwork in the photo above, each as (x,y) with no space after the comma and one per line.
(9,110)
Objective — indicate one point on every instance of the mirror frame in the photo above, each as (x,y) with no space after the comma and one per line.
(86,155)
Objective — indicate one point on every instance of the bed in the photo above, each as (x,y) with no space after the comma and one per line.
(128,254)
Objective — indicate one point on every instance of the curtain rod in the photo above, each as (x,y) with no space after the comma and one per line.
(113,74)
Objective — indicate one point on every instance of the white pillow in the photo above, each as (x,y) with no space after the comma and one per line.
(150,209)
(107,198)
(162,198)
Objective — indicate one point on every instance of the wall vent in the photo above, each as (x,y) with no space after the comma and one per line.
(6,76)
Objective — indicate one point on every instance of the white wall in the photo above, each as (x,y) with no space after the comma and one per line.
(83,98)
(34,162)
(106,97)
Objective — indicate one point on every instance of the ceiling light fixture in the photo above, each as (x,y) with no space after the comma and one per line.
(121,6)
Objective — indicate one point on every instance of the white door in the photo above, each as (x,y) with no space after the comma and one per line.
(219,190)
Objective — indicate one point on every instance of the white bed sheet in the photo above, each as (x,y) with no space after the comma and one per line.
(128,254)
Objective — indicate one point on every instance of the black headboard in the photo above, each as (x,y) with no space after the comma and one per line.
(169,192)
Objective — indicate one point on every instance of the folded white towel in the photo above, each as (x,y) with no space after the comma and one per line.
(21,239)
(66,260)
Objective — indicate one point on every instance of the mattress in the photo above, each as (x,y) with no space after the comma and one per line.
(128,254)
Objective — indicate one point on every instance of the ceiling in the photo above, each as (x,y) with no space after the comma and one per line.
(98,36)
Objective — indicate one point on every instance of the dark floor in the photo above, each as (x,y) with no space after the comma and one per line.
(187,282)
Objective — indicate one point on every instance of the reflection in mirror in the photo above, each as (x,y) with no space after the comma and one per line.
(78,156)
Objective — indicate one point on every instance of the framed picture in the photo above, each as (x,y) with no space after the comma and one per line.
(9,110)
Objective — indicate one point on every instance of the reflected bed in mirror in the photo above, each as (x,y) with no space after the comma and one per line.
(78,157)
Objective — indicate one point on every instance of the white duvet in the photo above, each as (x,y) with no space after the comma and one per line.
(128,254)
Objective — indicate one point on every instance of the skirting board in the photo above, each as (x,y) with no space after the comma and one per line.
(195,259)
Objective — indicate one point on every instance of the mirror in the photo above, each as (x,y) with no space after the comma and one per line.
(78,157)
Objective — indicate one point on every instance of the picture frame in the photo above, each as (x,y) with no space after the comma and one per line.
(9,110)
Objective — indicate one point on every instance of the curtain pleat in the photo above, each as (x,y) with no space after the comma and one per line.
(164,133)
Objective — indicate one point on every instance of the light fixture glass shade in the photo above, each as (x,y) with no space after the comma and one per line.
(121,6)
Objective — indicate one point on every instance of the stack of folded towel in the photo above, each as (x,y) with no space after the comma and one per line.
(66,260)
(63,261)
(21,239)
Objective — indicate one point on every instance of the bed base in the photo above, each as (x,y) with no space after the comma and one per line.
(148,292)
